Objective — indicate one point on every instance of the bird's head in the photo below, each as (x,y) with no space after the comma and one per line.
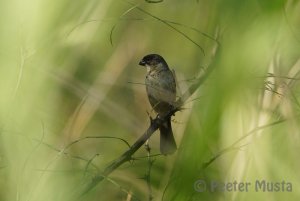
(154,62)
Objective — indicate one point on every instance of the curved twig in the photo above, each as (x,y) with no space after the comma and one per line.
(171,26)
(234,146)
(96,137)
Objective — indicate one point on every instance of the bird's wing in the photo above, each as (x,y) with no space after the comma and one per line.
(161,87)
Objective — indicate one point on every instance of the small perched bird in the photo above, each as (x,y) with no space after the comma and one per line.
(161,91)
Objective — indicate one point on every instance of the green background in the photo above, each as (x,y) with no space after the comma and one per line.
(69,70)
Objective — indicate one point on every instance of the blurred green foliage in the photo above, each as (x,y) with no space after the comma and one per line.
(69,70)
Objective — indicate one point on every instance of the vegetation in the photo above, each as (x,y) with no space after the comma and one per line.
(73,100)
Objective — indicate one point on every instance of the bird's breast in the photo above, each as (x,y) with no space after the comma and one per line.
(161,90)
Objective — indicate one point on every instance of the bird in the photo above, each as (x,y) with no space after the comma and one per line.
(161,90)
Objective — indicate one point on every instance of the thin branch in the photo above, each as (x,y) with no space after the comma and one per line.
(295,99)
(148,175)
(169,25)
(143,157)
(96,137)
(151,1)
(191,90)
(221,153)
(137,83)
(196,30)
(33,151)
(126,156)
(113,28)
(20,73)
(233,146)
(133,197)
(143,19)
(68,154)
(282,77)
(88,164)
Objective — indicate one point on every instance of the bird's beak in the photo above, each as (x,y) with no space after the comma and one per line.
(142,63)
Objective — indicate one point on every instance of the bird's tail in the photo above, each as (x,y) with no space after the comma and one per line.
(167,141)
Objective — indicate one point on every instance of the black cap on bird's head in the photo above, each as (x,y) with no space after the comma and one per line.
(153,60)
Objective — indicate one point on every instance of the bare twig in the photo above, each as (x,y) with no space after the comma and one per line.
(26,162)
(148,174)
(169,25)
(96,137)
(234,146)
(151,1)
(88,164)
(126,156)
